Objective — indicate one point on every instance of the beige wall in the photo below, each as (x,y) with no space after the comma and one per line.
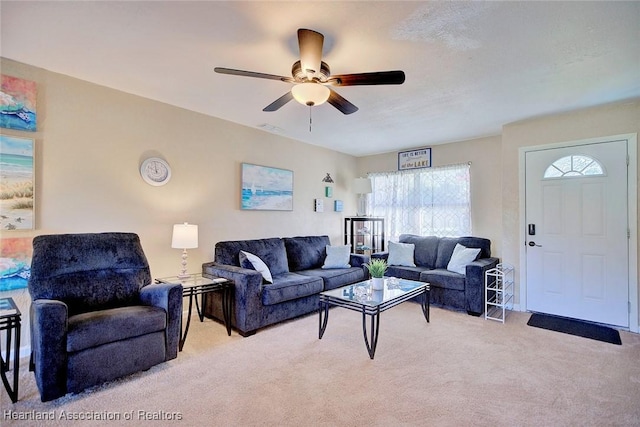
(486,165)
(606,120)
(92,139)
(495,167)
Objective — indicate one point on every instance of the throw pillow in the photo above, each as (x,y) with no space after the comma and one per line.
(337,256)
(247,258)
(401,254)
(460,257)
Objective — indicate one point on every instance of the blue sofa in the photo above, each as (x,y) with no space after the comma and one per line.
(295,264)
(448,288)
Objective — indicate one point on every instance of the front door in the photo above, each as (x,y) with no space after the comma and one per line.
(577,231)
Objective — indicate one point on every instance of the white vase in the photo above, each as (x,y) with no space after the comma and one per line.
(377,283)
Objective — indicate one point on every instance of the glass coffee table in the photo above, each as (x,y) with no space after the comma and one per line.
(360,297)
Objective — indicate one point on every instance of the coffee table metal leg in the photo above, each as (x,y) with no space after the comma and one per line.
(324,309)
(425,304)
(375,325)
(226,307)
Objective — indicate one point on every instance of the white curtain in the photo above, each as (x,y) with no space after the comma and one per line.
(428,202)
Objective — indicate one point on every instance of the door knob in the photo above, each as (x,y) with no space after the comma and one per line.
(532,244)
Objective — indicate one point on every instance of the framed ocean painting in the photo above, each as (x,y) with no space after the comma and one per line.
(17,103)
(266,188)
(16,183)
(15,262)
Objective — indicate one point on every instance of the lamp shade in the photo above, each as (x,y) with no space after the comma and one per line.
(362,186)
(310,93)
(185,236)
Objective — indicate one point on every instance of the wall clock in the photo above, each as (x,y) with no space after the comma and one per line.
(155,171)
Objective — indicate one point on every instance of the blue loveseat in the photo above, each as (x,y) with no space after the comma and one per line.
(451,289)
(295,264)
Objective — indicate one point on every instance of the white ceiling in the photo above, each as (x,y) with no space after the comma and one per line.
(470,67)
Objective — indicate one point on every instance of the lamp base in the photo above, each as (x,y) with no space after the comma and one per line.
(183,274)
(362,205)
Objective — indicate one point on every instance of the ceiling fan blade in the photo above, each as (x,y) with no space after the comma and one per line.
(252,74)
(375,78)
(310,43)
(340,103)
(275,105)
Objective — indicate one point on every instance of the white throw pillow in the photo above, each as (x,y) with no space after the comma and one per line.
(337,256)
(401,254)
(460,257)
(258,265)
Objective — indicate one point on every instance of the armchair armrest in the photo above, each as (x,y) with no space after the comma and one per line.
(474,287)
(49,325)
(248,288)
(167,296)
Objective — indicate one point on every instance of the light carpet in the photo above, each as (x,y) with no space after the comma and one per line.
(456,370)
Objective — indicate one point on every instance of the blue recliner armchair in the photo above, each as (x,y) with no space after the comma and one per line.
(95,316)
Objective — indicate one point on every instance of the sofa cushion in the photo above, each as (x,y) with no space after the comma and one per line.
(477,242)
(306,252)
(409,273)
(336,278)
(252,262)
(401,254)
(271,251)
(337,256)
(104,326)
(290,286)
(441,278)
(461,257)
(445,250)
(426,249)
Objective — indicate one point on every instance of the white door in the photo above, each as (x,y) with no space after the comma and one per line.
(577,255)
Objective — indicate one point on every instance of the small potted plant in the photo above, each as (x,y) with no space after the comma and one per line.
(377,268)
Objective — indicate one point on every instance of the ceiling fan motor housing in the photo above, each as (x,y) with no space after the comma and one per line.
(300,75)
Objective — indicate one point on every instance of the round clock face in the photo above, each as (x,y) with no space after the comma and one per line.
(155,171)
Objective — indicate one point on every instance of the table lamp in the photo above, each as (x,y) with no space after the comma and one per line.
(185,236)
(362,186)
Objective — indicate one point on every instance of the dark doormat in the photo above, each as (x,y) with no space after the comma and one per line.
(575,327)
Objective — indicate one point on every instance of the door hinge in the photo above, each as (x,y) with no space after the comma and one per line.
(628,233)
(629,306)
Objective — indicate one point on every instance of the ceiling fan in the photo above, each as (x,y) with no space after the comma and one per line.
(312,77)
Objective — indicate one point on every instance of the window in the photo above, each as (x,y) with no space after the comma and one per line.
(428,202)
(574,166)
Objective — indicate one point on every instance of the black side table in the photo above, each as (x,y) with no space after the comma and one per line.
(197,284)
(10,322)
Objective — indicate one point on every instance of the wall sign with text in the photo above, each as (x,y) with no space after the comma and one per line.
(414,159)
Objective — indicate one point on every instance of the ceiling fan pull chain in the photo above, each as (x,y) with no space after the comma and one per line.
(309,118)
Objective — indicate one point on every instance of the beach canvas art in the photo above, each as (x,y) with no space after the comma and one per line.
(266,188)
(15,262)
(17,103)
(16,183)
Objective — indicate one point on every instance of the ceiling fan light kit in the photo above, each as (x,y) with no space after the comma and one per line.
(310,93)
(311,77)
